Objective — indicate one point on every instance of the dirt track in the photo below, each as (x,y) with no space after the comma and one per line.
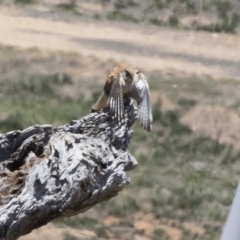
(146,46)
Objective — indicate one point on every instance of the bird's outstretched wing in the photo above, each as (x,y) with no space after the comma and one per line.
(116,99)
(145,109)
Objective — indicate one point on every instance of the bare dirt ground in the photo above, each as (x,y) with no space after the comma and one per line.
(50,231)
(143,45)
(216,122)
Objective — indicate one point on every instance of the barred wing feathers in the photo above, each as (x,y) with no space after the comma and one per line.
(145,109)
(116,100)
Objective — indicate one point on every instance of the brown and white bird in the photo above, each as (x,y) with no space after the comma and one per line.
(123,81)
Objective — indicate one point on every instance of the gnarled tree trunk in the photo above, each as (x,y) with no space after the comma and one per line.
(47,172)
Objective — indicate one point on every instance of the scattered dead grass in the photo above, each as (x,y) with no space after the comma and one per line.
(194,228)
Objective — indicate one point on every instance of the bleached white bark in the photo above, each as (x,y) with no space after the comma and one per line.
(47,172)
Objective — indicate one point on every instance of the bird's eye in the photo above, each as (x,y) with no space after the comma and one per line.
(128,74)
(137,72)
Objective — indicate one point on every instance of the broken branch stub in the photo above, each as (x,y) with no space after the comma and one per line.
(47,172)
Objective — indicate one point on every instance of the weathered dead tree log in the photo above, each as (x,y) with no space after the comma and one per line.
(47,172)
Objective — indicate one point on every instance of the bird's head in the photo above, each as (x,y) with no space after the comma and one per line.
(128,73)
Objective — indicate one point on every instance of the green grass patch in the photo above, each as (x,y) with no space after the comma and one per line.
(35,100)
(24,2)
(77,222)
(116,15)
(124,207)
(68,236)
(186,103)
(83,223)
(160,234)
(70,6)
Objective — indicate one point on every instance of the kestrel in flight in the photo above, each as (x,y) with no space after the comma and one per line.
(123,81)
